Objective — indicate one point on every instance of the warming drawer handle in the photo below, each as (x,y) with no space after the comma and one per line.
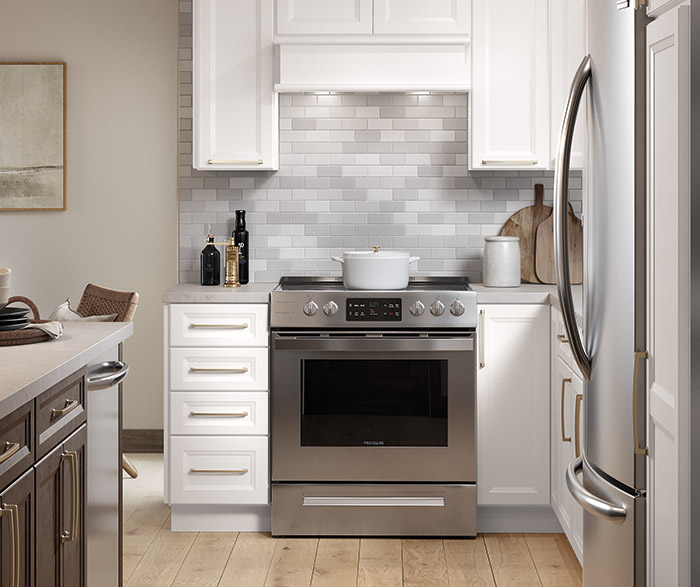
(99,382)
(11,448)
(591,503)
(561,216)
(389,501)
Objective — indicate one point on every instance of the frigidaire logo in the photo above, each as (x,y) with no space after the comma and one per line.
(374,443)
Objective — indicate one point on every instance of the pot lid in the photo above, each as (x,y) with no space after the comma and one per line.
(375,254)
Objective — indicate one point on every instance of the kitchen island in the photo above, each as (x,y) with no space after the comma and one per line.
(59,499)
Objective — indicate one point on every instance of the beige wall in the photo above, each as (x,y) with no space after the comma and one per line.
(120,227)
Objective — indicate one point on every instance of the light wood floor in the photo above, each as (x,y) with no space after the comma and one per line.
(154,556)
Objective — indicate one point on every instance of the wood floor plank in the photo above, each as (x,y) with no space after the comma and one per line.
(510,560)
(292,563)
(141,529)
(206,560)
(336,562)
(554,559)
(380,563)
(250,560)
(467,563)
(424,563)
(163,559)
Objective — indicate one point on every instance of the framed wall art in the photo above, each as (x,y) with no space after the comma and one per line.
(32,136)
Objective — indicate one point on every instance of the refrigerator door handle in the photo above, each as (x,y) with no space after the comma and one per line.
(591,503)
(561,211)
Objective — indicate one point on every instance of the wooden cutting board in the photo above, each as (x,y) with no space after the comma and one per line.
(524,224)
(544,250)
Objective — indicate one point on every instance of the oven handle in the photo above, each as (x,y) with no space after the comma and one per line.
(368,344)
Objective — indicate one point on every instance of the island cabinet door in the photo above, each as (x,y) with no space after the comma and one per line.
(60,514)
(17,533)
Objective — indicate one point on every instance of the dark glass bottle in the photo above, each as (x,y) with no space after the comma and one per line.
(240,236)
(210,263)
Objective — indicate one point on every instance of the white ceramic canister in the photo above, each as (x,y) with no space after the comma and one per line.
(502,261)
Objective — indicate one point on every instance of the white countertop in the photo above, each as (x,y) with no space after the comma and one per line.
(193,293)
(28,370)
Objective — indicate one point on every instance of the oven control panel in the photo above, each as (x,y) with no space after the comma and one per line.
(373,309)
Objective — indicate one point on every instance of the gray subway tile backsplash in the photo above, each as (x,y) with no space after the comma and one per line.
(356,170)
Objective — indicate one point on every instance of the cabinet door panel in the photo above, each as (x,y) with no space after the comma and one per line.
(510,89)
(416,17)
(19,495)
(49,522)
(74,513)
(324,17)
(235,108)
(513,406)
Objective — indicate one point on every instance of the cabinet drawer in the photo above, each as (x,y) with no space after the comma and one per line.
(219,470)
(223,413)
(218,369)
(59,411)
(240,325)
(16,443)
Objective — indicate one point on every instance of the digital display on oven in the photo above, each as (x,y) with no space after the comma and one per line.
(373,310)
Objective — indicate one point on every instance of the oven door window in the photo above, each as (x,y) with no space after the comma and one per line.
(373,402)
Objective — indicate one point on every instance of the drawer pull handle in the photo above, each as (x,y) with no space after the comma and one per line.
(224,471)
(218,370)
(71,404)
(72,534)
(562,338)
(230,326)
(13,510)
(220,414)
(577,417)
(506,162)
(10,449)
(564,437)
(234,162)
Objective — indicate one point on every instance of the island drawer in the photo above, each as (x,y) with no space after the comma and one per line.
(212,325)
(224,413)
(16,443)
(59,411)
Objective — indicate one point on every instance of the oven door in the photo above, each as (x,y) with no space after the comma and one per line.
(383,406)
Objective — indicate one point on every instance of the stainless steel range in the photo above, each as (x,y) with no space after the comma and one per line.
(373,408)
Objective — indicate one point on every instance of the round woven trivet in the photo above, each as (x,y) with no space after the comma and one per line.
(28,336)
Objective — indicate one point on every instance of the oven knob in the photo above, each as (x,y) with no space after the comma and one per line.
(310,308)
(417,308)
(437,308)
(330,309)
(457,308)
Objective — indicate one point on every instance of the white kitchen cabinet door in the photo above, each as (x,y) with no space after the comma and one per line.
(567,435)
(513,412)
(235,109)
(567,48)
(418,17)
(324,17)
(670,68)
(509,103)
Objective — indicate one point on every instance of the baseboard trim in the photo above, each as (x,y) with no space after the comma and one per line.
(142,440)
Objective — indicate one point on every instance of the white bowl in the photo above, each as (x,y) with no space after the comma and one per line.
(4,296)
(5,275)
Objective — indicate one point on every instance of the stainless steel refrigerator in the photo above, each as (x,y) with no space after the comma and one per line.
(609,480)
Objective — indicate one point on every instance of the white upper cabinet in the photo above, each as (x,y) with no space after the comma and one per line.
(418,17)
(324,17)
(509,110)
(567,38)
(235,107)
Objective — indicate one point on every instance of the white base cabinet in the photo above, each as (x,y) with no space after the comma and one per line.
(235,110)
(567,432)
(513,405)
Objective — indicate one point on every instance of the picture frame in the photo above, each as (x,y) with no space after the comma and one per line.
(32,136)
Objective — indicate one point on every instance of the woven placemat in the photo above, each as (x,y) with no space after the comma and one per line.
(28,336)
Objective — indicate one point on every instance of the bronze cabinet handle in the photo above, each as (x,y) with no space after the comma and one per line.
(564,437)
(11,448)
(13,510)
(229,326)
(71,404)
(482,337)
(225,471)
(72,534)
(218,370)
(218,414)
(638,450)
(562,338)
(577,425)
